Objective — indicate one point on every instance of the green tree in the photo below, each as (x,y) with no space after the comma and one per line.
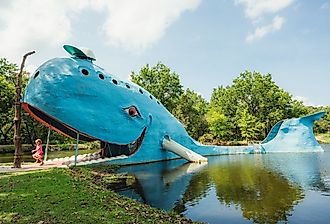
(8,70)
(322,125)
(297,109)
(7,94)
(222,114)
(260,97)
(160,82)
(219,124)
(190,110)
(6,110)
(249,126)
(264,99)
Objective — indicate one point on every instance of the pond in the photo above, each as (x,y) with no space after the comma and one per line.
(261,188)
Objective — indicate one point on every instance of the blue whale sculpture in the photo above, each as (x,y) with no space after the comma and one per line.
(74,95)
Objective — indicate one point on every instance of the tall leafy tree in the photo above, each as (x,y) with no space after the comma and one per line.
(253,94)
(191,110)
(222,114)
(219,124)
(161,82)
(7,94)
(249,126)
(8,70)
(264,99)
(322,125)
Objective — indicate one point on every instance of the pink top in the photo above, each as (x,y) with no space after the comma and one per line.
(39,149)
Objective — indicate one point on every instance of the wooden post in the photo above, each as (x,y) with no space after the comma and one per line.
(17,119)
(76,155)
(46,150)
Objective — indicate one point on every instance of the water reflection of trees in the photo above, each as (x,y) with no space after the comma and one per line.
(262,195)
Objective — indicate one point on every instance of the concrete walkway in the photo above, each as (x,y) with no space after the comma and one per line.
(31,167)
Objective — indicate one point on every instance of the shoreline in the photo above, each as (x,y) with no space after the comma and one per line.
(73,195)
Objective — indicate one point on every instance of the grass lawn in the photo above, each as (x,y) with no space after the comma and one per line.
(70,196)
(323,138)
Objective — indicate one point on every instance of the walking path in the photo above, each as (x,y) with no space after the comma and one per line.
(30,167)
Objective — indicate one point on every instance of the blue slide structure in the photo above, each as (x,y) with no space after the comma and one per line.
(73,95)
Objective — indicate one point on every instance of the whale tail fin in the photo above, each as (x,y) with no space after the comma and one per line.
(293,135)
(313,117)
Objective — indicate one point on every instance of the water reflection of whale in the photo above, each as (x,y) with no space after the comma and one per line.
(308,170)
(161,184)
(260,193)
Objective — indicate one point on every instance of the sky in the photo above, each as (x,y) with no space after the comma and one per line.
(208,43)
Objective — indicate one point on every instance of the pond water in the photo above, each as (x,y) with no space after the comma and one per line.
(261,188)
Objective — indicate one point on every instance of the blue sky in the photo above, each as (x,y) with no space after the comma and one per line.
(208,43)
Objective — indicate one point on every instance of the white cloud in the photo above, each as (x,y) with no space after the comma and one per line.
(138,24)
(45,24)
(325,6)
(257,8)
(32,24)
(306,101)
(264,30)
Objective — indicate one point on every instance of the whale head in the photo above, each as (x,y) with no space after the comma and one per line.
(73,95)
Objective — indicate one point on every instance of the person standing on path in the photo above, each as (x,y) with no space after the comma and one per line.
(38,152)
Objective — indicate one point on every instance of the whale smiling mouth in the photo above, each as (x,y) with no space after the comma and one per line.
(113,149)
(110,149)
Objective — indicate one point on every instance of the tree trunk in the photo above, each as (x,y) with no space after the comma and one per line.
(29,133)
(17,119)
(5,135)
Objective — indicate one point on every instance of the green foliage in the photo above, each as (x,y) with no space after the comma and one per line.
(297,109)
(7,98)
(323,125)
(160,82)
(254,100)
(191,110)
(248,124)
(219,124)
(8,70)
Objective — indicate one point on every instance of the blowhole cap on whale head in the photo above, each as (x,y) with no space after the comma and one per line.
(82,52)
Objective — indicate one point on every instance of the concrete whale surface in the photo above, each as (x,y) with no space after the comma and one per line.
(74,95)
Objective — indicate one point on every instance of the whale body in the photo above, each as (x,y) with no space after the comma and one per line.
(74,95)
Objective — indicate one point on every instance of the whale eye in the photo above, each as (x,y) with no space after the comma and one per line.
(132,111)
